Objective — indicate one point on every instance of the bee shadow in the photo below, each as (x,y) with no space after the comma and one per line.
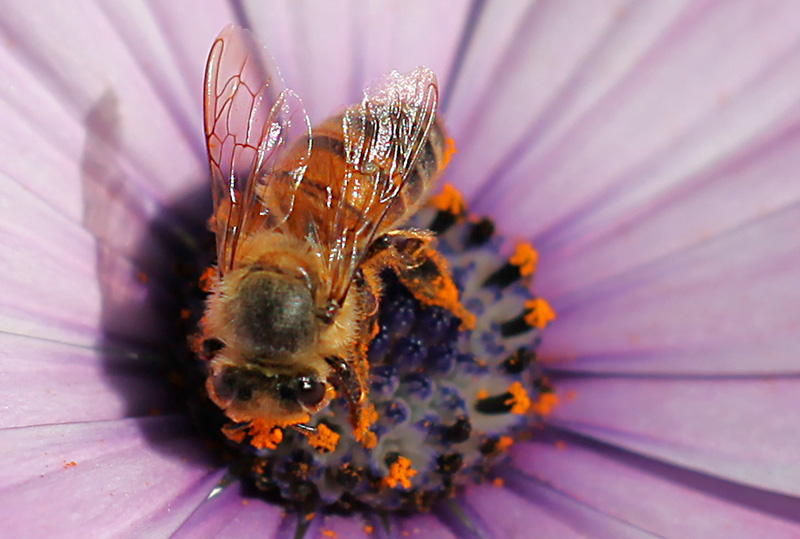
(149,258)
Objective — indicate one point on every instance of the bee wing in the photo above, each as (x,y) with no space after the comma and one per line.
(383,137)
(249,117)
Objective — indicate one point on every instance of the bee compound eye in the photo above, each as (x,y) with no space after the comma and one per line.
(310,391)
(306,390)
(231,384)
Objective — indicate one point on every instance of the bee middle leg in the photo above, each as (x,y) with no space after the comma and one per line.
(411,255)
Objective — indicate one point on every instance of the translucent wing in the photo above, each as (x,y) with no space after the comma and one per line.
(249,117)
(383,137)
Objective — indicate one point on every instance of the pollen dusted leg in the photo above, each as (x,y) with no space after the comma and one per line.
(422,269)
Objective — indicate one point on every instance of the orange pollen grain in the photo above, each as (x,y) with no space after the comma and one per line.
(236,435)
(482,394)
(545,403)
(525,257)
(70,464)
(400,472)
(330,533)
(448,152)
(207,279)
(560,445)
(520,401)
(540,313)
(264,434)
(504,443)
(498,482)
(449,200)
(369,529)
(324,439)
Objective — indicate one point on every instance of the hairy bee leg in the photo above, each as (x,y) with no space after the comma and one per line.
(349,381)
(422,269)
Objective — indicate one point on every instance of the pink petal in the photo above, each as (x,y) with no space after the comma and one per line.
(737,429)
(726,305)
(662,501)
(82,291)
(506,514)
(676,88)
(59,46)
(327,52)
(127,477)
(520,63)
(45,382)
(229,514)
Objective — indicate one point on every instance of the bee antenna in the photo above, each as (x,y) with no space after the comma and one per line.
(302,428)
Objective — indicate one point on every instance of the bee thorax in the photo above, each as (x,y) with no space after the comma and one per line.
(274,315)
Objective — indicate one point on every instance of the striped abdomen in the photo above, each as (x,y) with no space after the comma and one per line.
(318,199)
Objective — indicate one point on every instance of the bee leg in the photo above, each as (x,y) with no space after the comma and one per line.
(352,383)
(348,380)
(422,269)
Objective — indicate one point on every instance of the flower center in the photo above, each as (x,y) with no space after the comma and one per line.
(448,402)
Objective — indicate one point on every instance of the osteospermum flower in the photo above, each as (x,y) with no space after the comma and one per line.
(647,150)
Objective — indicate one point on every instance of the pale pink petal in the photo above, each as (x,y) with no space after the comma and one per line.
(523,60)
(127,477)
(46,382)
(229,514)
(676,88)
(657,499)
(59,45)
(59,285)
(329,51)
(725,305)
(736,429)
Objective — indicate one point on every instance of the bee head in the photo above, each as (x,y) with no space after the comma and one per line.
(250,391)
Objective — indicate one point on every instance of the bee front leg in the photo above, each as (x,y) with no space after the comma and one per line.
(422,269)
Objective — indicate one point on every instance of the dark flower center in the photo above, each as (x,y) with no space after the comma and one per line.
(448,402)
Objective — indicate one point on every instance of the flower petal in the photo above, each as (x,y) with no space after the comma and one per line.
(83,292)
(673,93)
(57,478)
(658,499)
(726,305)
(59,46)
(507,514)
(46,382)
(328,52)
(229,514)
(735,429)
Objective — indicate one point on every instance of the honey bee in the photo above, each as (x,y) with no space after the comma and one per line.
(305,222)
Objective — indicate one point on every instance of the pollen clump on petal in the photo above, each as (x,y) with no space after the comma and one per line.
(450,150)
(504,443)
(545,403)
